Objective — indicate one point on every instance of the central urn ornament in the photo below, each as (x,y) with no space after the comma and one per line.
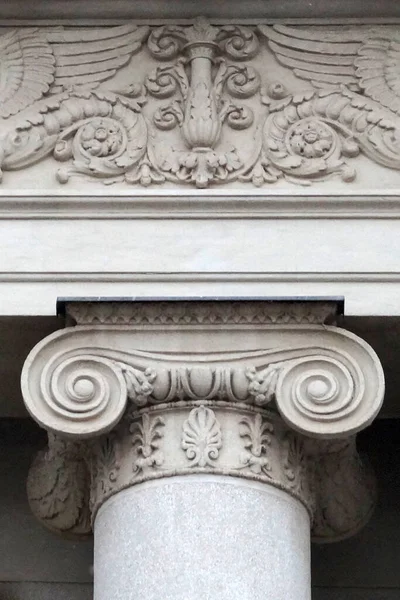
(201,75)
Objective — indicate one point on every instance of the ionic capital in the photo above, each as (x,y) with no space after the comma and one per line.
(253,390)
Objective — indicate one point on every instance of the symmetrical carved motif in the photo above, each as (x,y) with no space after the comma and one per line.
(315,376)
(226,120)
(201,313)
(146,438)
(202,108)
(193,437)
(337,489)
(174,408)
(201,437)
(257,432)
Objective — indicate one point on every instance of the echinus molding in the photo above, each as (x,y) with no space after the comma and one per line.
(147,391)
(202,104)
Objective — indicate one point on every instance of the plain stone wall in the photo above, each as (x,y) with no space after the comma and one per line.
(37,565)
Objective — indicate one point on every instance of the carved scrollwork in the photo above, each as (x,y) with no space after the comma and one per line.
(238,42)
(322,395)
(80,396)
(202,110)
(166,42)
(58,98)
(103,134)
(242,82)
(267,414)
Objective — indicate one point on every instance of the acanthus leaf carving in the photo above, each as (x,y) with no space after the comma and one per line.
(201,437)
(147,435)
(257,432)
(262,383)
(58,99)
(297,466)
(139,383)
(104,134)
(105,464)
(58,487)
(345,490)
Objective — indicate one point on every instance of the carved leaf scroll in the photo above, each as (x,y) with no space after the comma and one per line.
(58,84)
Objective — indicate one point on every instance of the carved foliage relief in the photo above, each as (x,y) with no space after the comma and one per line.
(200,104)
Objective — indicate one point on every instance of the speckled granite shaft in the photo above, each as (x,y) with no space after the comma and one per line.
(202,537)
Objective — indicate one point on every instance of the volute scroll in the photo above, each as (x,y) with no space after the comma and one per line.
(136,392)
(335,393)
(325,382)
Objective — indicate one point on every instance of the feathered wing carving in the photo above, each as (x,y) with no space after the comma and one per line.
(365,59)
(27,68)
(91,56)
(35,61)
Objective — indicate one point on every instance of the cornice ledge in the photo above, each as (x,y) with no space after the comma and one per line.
(228,10)
(31,204)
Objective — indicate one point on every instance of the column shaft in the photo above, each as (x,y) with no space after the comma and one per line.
(202,537)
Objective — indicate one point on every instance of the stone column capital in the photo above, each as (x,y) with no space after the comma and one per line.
(324,381)
(255,390)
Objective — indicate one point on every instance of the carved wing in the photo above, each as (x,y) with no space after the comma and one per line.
(36,61)
(87,57)
(364,59)
(27,68)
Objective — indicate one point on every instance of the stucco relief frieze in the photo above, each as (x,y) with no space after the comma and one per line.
(200,104)
(270,402)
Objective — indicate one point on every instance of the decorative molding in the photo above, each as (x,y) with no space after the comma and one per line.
(346,493)
(189,313)
(58,490)
(324,381)
(156,404)
(207,437)
(147,436)
(203,112)
(337,277)
(359,12)
(201,437)
(210,204)
(256,432)
(336,488)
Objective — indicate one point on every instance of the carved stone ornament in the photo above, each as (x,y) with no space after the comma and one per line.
(200,104)
(271,402)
